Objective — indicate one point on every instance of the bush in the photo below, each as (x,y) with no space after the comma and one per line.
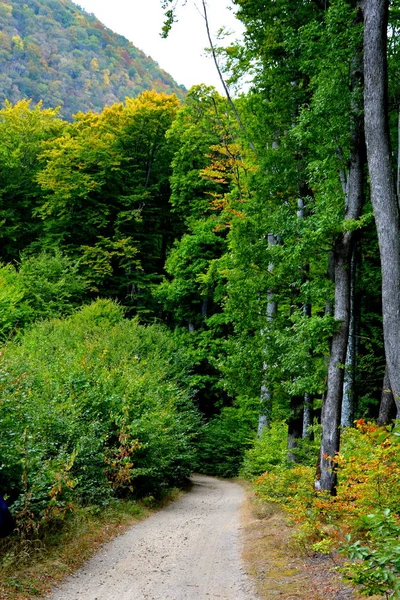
(91,407)
(377,566)
(52,284)
(44,286)
(287,486)
(14,310)
(268,453)
(368,484)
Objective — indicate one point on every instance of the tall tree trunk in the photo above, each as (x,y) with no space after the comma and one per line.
(387,407)
(331,412)
(307,403)
(265,400)
(307,415)
(398,154)
(383,189)
(347,417)
(265,395)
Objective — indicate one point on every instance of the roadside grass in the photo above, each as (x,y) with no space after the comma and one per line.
(279,568)
(29,570)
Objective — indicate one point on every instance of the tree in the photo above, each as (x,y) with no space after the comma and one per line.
(303,116)
(206,168)
(383,190)
(23,131)
(107,191)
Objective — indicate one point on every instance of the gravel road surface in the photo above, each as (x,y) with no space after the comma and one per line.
(187,551)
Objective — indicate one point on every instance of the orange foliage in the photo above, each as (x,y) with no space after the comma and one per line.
(368,479)
(229,168)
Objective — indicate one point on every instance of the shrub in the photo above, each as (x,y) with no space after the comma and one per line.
(368,484)
(52,284)
(14,310)
(268,453)
(377,560)
(286,486)
(91,407)
(44,286)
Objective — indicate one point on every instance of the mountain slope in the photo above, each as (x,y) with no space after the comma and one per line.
(54,51)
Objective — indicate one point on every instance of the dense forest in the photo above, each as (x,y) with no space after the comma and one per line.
(53,51)
(213,285)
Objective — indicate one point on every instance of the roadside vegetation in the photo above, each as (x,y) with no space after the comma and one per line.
(357,529)
(31,567)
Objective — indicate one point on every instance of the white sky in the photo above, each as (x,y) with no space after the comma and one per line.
(182,54)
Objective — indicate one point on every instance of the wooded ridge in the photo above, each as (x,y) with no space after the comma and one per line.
(55,52)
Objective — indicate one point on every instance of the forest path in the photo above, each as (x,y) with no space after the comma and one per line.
(188,551)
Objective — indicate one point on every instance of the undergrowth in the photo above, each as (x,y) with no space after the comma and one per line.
(30,568)
(92,408)
(362,522)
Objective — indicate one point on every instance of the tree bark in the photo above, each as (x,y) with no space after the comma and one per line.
(383,188)
(307,415)
(347,417)
(265,395)
(265,401)
(398,155)
(331,412)
(387,407)
(307,404)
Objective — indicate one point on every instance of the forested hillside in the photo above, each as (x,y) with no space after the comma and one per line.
(52,50)
(214,285)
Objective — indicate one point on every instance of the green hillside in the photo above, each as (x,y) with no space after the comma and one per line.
(52,50)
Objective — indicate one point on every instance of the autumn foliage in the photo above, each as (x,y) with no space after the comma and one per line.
(368,492)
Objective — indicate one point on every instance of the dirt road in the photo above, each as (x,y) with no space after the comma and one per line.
(188,551)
